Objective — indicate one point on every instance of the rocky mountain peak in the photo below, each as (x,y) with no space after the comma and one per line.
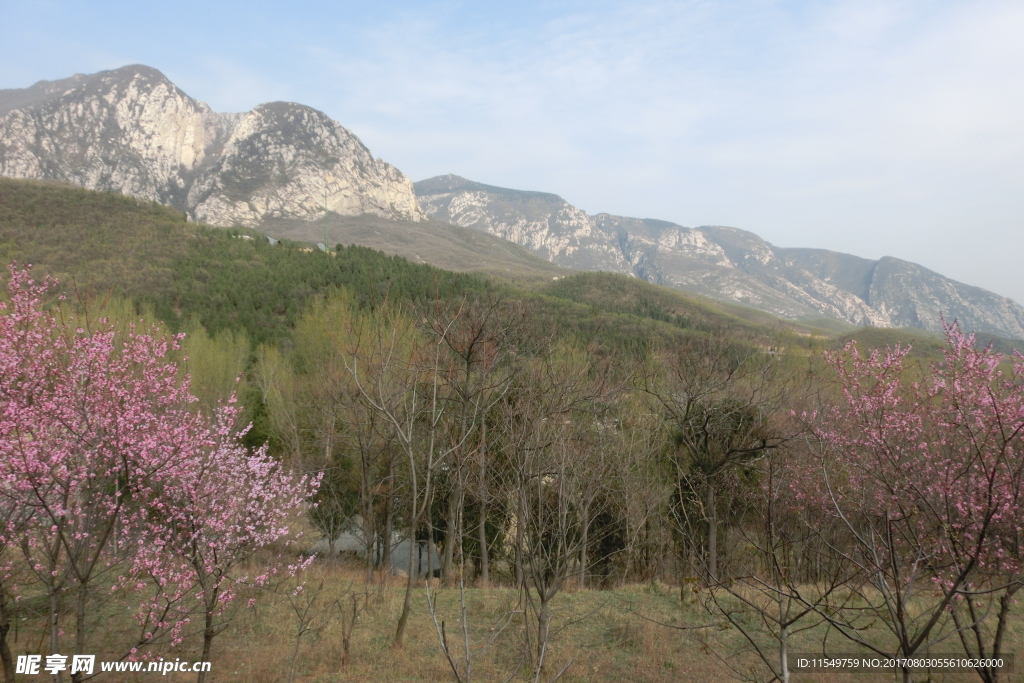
(81,86)
(131,130)
(443,183)
(287,160)
(449,183)
(540,221)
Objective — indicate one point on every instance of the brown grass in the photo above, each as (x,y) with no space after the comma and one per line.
(608,635)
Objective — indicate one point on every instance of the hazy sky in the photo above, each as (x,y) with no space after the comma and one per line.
(874,128)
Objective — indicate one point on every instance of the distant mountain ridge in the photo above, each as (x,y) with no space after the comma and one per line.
(723,263)
(131,130)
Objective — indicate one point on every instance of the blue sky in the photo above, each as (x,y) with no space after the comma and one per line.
(874,128)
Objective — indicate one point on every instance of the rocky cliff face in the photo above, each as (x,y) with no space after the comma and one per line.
(132,131)
(724,263)
(544,223)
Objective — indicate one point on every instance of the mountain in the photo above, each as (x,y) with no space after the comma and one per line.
(544,223)
(132,131)
(276,168)
(723,263)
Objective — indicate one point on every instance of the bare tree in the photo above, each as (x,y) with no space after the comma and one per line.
(481,339)
(551,421)
(310,608)
(780,589)
(478,336)
(641,491)
(400,373)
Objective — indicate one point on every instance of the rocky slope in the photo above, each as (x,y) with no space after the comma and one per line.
(132,131)
(724,263)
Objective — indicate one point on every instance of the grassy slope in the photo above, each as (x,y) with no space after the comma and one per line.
(622,294)
(440,244)
(924,344)
(93,237)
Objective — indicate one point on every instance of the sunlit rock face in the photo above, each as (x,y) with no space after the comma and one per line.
(132,131)
(544,223)
(723,263)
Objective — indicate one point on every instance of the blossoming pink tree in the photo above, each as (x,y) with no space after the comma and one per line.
(926,477)
(91,420)
(214,516)
(98,440)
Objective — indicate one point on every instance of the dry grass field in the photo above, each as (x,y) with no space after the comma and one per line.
(602,635)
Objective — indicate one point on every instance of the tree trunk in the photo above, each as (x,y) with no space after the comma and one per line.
(460,557)
(5,649)
(369,518)
(295,660)
(997,643)
(519,552)
(543,625)
(407,603)
(450,534)
(370,559)
(208,633)
(783,644)
(682,575)
(712,534)
(54,624)
(583,546)
(485,571)
(80,611)
(583,549)
(389,517)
